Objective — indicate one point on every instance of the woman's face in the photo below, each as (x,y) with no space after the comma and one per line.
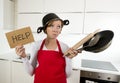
(54,29)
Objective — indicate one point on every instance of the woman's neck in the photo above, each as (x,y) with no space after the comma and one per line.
(51,44)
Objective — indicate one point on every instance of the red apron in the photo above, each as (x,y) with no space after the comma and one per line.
(51,67)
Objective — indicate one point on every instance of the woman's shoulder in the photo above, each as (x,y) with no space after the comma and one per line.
(64,46)
(36,45)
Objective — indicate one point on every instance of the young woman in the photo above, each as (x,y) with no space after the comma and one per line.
(47,62)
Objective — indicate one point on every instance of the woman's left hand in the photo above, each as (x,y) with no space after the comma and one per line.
(72,53)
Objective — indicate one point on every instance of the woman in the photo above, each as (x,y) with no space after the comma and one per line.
(47,62)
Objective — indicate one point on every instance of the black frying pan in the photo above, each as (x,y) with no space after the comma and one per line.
(101,41)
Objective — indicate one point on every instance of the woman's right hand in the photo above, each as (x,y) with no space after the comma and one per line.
(20,51)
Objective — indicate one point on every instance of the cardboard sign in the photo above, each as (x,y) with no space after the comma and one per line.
(19,37)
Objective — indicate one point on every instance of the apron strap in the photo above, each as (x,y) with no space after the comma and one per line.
(43,42)
(59,47)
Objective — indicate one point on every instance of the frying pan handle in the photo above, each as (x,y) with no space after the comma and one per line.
(80,43)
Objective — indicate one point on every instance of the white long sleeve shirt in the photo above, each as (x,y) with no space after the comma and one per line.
(31,64)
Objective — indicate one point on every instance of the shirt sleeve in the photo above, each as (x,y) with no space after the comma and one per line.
(28,67)
(31,64)
(68,66)
(68,69)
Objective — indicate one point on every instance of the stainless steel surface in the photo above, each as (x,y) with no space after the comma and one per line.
(100,76)
(98,65)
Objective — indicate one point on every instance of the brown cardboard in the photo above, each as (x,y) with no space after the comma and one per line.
(20,37)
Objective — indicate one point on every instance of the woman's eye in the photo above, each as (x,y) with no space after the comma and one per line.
(59,26)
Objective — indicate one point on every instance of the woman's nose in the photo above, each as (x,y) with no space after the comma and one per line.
(55,29)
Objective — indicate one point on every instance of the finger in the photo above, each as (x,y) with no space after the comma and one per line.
(18,47)
(75,52)
(70,57)
(79,51)
(20,51)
